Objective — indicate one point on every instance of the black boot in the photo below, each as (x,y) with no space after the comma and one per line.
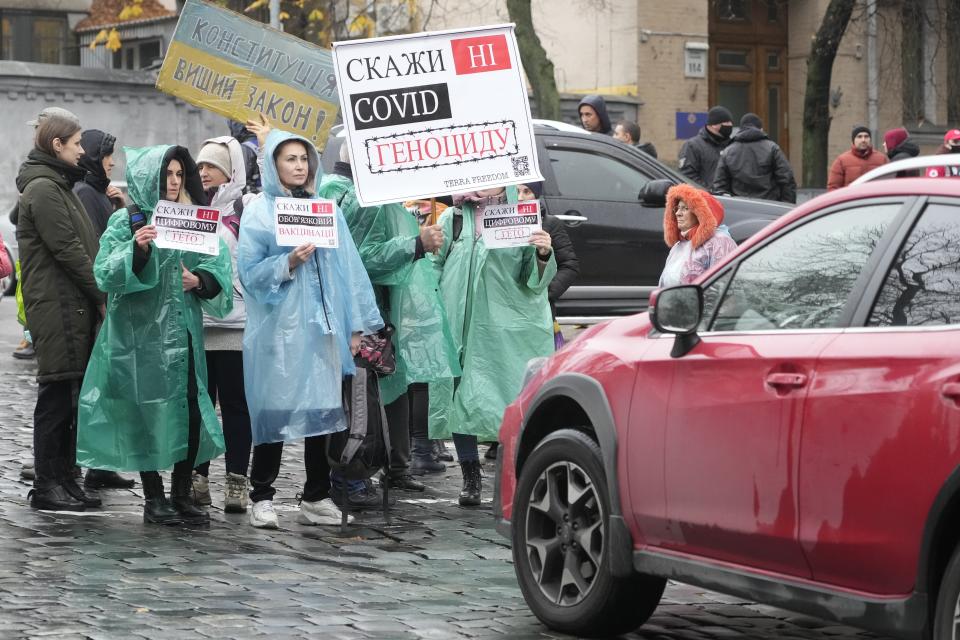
(156,508)
(181,495)
(89,500)
(103,479)
(54,498)
(69,483)
(440,451)
(470,494)
(423,461)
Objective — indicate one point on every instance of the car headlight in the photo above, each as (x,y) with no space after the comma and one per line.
(533,367)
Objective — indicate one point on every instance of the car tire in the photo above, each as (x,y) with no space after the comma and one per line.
(946,617)
(561,548)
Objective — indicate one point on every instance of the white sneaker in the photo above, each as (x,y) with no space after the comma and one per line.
(320,512)
(262,516)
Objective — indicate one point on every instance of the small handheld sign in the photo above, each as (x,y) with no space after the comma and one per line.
(300,221)
(509,225)
(187,227)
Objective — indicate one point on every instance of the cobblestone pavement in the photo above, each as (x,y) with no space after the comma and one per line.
(437,571)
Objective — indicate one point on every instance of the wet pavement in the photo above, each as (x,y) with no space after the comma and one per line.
(436,571)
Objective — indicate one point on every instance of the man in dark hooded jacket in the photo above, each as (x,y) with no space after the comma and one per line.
(753,166)
(250,146)
(99,198)
(593,115)
(700,154)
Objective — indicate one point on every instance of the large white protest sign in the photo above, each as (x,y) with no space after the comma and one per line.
(187,227)
(300,221)
(430,114)
(508,225)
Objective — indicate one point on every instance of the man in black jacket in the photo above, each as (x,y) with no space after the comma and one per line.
(753,166)
(592,111)
(98,196)
(629,133)
(700,154)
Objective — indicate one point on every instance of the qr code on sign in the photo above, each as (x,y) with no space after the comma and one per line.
(521,165)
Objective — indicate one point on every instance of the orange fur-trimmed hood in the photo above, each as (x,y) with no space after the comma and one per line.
(708,210)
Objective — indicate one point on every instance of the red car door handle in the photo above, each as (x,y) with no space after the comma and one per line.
(951,390)
(787,379)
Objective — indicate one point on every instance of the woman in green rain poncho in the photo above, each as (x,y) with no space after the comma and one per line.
(144,404)
(398,257)
(496,302)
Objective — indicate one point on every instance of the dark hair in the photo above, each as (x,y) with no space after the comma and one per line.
(52,128)
(276,152)
(631,128)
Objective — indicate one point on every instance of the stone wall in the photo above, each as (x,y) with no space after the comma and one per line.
(123,103)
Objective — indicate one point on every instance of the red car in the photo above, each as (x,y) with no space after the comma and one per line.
(786,430)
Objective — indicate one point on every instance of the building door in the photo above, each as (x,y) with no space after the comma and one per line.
(748,61)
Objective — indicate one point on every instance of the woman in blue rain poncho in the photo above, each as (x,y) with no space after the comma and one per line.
(306,310)
(496,302)
(144,404)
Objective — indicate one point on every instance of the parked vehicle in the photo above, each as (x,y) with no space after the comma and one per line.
(785,430)
(611,196)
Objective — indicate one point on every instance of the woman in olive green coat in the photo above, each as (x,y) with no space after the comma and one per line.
(61,298)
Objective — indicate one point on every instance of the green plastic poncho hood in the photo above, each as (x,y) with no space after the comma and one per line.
(496,302)
(407,291)
(133,409)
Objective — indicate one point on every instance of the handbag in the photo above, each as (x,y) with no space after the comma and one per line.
(377,353)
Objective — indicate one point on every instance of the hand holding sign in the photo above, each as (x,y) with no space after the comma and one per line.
(300,255)
(190,281)
(431,238)
(541,240)
(260,128)
(145,235)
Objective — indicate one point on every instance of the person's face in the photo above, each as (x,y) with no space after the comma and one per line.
(293,163)
(620,134)
(589,118)
(953,145)
(715,128)
(862,141)
(525,193)
(68,150)
(685,218)
(108,164)
(211,176)
(174,180)
(489,193)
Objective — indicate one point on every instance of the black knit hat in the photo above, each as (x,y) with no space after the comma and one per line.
(858,129)
(751,120)
(719,114)
(536,187)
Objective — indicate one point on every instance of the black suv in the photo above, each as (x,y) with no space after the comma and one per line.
(599,187)
(611,197)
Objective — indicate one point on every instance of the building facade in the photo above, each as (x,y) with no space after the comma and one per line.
(676,59)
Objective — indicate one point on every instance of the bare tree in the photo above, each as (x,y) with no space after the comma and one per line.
(816,102)
(539,68)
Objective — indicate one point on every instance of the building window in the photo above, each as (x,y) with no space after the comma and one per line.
(138,54)
(733,10)
(36,37)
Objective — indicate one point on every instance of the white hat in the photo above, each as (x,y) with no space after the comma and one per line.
(218,155)
(52,111)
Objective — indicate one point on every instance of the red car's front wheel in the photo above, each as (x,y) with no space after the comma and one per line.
(561,515)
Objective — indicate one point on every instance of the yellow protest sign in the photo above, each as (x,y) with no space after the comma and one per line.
(237,67)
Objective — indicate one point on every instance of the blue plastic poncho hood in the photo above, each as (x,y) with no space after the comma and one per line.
(296,345)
